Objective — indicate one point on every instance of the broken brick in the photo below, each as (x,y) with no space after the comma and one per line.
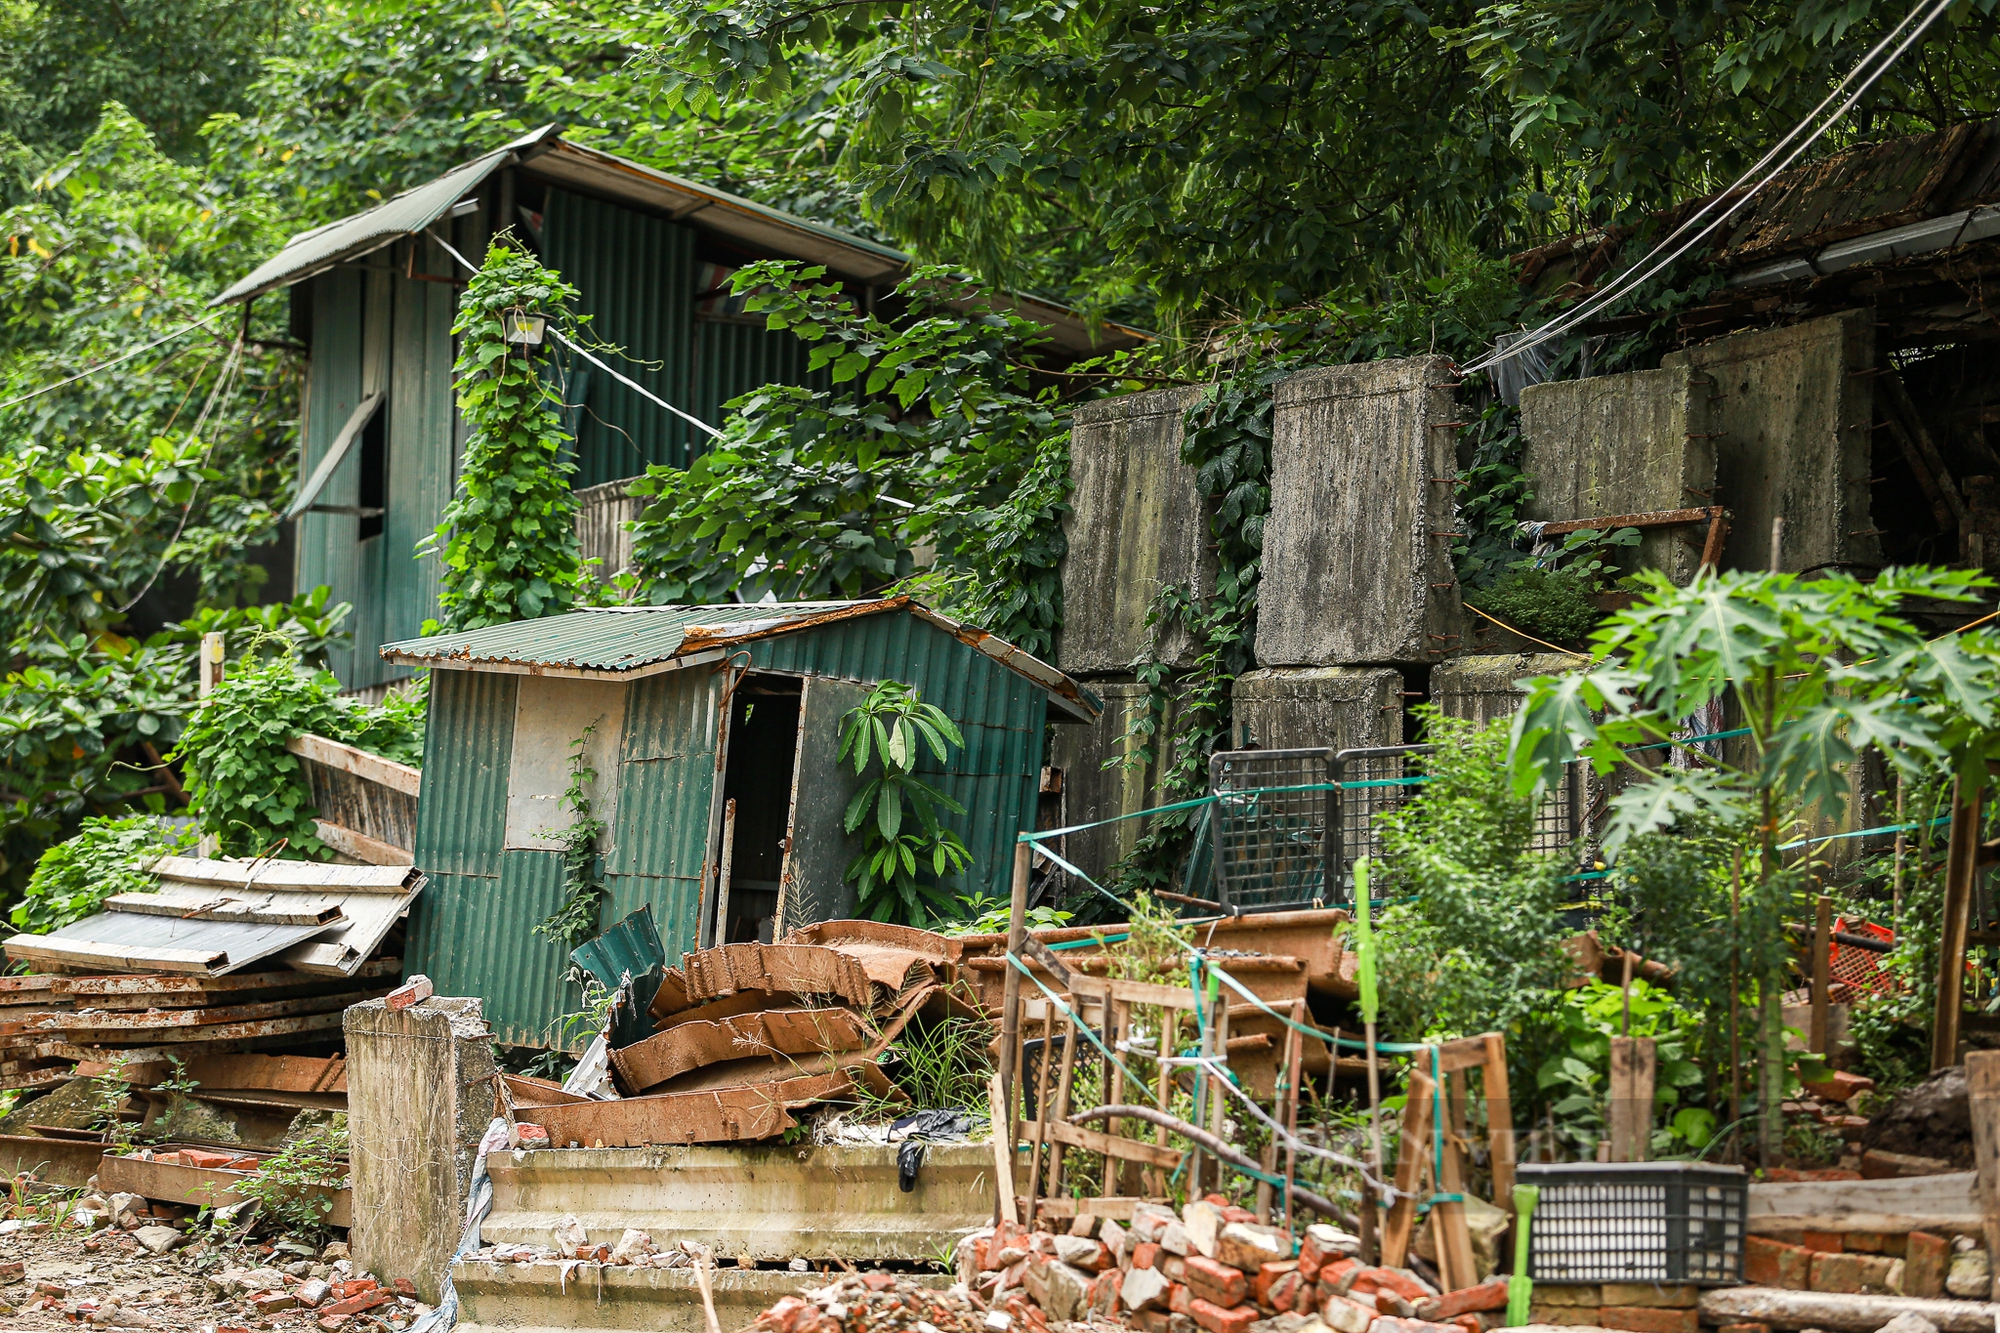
(1370,1280)
(1744,1328)
(1284,1292)
(404,1287)
(1220,1319)
(1393,1324)
(1268,1274)
(1926,1262)
(1856,1274)
(1661,1295)
(1772,1263)
(1146,1254)
(417,989)
(1178,1299)
(1216,1283)
(1488,1295)
(1823,1242)
(366,1300)
(1649,1319)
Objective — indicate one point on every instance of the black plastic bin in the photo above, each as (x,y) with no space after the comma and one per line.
(1637,1222)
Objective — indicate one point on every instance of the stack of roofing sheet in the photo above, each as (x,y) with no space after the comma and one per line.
(744,1034)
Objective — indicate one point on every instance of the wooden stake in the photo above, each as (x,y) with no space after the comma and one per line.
(1982,1073)
(1822,975)
(1003,1151)
(1294,1071)
(1042,1116)
(1633,1073)
(1961,863)
(1006,1130)
(1499,1120)
(1412,1149)
(1735,994)
(1454,1241)
(721,935)
(1117,1027)
(1064,1078)
(1896,881)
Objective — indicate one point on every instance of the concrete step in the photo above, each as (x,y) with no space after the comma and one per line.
(547,1297)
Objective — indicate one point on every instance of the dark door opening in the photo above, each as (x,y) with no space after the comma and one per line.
(374,497)
(763,748)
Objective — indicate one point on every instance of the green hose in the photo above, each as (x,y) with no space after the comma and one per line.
(1521,1287)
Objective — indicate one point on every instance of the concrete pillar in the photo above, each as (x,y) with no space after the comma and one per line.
(1357,549)
(1092,792)
(1137,523)
(419,1097)
(1296,708)
(1795,408)
(1623,444)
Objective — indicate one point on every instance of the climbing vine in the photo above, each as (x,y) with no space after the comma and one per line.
(583,881)
(507,543)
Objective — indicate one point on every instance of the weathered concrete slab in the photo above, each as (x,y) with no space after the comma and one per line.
(1296,708)
(1138,524)
(1480,689)
(768,1201)
(1357,549)
(1092,792)
(1622,444)
(1795,407)
(533,1298)
(419,1097)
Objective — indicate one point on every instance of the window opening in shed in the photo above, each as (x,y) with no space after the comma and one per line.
(374,497)
(763,745)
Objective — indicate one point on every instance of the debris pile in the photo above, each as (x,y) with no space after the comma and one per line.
(881,1302)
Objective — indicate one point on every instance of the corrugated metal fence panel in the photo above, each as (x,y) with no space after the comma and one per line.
(636,276)
(371,558)
(660,846)
(1001,715)
(601,517)
(522,972)
(732,359)
(461,824)
(326,542)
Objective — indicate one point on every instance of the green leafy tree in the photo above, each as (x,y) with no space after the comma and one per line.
(906,851)
(1817,670)
(508,541)
(106,856)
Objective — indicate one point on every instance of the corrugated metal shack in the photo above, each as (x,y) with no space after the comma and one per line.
(373,298)
(688,708)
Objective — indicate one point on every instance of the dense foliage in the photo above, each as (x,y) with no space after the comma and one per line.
(907,855)
(107,856)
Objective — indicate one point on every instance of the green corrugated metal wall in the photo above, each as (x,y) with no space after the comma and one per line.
(636,276)
(375,329)
(472,932)
(732,359)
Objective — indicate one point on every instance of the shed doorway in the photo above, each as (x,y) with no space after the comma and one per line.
(763,740)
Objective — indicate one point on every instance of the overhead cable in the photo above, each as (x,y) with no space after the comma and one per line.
(1626,282)
(115,361)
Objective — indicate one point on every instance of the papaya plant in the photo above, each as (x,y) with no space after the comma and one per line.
(906,852)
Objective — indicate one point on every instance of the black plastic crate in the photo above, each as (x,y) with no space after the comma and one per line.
(1637,1222)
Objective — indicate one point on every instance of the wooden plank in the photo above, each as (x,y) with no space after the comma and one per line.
(1633,1070)
(1651,518)
(150,1022)
(1822,975)
(83,953)
(1112,1145)
(1960,866)
(197,904)
(812,879)
(37,1078)
(1413,1148)
(298,876)
(1133,992)
(212,1187)
(348,759)
(208,1032)
(361,847)
(1982,1074)
(1465,1053)
(145,984)
(1499,1120)
(1003,1148)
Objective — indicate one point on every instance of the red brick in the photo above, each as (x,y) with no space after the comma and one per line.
(1151,1321)
(1488,1295)
(1216,1283)
(1649,1319)
(271,1302)
(1332,1270)
(1388,1279)
(1392,1324)
(1267,1277)
(1104,1292)
(1285,1292)
(1840,1086)
(1852,1274)
(404,1287)
(1772,1263)
(354,1286)
(1146,1254)
(1469,1322)
(1823,1242)
(1218,1319)
(212,1160)
(1178,1299)
(784,1314)
(1925,1264)
(416,989)
(1744,1328)
(367,1300)
(1231,1213)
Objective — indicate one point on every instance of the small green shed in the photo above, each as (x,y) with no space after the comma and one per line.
(683,709)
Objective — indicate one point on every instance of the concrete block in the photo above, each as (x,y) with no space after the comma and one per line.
(1297,708)
(1795,414)
(1137,523)
(418,1101)
(1480,689)
(1093,792)
(1622,444)
(1357,563)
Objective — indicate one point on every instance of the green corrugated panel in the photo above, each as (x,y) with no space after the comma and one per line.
(1001,714)
(664,803)
(732,359)
(601,638)
(636,276)
(461,821)
(326,546)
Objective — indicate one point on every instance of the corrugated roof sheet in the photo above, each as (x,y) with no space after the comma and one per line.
(625,643)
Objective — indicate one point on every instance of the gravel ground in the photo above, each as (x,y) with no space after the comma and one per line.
(63,1276)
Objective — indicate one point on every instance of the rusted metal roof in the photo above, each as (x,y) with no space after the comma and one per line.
(632,642)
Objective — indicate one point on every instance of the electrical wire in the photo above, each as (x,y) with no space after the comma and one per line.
(1625,283)
(116,361)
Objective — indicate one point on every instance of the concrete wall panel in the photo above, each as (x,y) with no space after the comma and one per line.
(1356,566)
(1296,708)
(1622,444)
(1795,407)
(1480,689)
(1138,523)
(1092,792)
